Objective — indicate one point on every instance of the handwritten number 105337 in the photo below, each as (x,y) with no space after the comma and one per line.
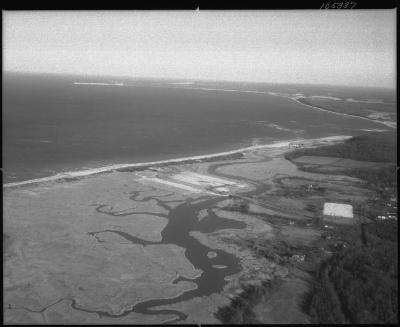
(338,5)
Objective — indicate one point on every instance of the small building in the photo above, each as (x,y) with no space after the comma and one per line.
(339,210)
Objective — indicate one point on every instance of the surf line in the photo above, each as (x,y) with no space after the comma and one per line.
(88,172)
(93,171)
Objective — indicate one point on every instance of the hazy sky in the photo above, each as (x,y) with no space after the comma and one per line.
(344,47)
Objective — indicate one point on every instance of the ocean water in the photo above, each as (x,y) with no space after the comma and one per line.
(51,125)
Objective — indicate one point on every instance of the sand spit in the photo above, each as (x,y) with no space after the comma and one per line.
(298,98)
(325,97)
(98,83)
(182,83)
(88,172)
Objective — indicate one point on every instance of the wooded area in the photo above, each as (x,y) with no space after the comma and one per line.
(359,283)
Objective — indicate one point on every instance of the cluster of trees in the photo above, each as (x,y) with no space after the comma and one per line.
(384,229)
(240,310)
(278,251)
(359,283)
(382,179)
(377,147)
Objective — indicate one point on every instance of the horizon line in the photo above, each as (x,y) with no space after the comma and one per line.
(191,79)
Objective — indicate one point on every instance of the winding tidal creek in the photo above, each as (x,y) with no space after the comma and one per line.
(182,220)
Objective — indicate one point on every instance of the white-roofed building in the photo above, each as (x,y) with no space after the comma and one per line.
(339,210)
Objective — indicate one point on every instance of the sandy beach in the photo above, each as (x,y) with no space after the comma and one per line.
(88,172)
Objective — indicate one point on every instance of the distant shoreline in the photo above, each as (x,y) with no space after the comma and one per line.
(298,100)
(93,171)
(294,98)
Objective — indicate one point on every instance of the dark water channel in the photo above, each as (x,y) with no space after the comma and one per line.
(181,221)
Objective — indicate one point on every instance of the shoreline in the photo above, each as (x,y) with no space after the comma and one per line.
(294,98)
(93,171)
(386,123)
